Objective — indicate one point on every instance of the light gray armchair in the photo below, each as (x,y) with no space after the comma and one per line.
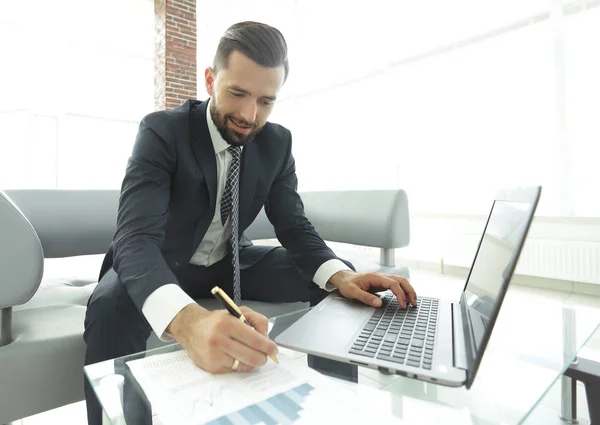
(41,355)
(41,327)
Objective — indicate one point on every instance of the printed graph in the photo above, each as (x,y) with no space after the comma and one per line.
(283,408)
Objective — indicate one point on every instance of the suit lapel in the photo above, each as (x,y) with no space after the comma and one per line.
(205,156)
(203,149)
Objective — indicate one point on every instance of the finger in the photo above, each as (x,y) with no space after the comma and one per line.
(253,339)
(409,291)
(357,293)
(228,367)
(218,362)
(257,320)
(244,368)
(388,283)
(243,353)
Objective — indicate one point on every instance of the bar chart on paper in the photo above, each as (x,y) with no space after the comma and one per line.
(181,393)
(283,408)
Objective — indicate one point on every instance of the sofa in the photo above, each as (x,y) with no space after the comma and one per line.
(41,316)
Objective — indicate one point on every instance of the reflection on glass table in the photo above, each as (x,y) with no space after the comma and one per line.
(527,352)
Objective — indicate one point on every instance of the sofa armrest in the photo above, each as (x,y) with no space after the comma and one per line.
(21,263)
(21,255)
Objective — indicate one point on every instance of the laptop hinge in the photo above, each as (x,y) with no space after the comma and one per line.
(458,338)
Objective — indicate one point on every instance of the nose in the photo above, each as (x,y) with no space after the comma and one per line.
(248,112)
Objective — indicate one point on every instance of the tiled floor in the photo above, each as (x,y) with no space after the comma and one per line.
(427,284)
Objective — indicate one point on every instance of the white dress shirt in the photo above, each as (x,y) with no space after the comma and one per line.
(162,305)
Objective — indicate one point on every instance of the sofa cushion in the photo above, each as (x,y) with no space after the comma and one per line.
(66,281)
(60,292)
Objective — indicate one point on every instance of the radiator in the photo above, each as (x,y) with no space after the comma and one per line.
(576,261)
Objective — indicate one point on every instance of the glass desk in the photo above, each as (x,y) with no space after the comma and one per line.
(532,344)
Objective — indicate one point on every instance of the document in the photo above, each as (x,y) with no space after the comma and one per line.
(182,393)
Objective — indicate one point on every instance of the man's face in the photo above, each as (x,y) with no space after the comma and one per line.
(243,95)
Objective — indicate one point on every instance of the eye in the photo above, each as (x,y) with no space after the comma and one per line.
(267,102)
(237,94)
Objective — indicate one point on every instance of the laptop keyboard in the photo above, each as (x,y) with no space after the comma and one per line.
(400,336)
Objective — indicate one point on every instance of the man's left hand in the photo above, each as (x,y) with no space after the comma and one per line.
(361,285)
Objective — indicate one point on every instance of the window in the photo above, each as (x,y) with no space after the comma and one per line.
(78,77)
(448,100)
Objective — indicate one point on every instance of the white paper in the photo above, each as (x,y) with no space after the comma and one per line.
(182,393)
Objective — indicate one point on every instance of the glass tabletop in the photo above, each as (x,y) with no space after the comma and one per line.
(532,343)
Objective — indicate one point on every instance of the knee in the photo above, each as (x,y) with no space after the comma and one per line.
(107,293)
(110,303)
(113,325)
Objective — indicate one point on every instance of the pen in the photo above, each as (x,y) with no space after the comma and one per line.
(233,309)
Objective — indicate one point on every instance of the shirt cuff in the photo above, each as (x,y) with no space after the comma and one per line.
(161,307)
(328,269)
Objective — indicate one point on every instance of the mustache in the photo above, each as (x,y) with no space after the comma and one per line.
(240,121)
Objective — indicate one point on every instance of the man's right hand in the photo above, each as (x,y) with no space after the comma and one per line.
(214,340)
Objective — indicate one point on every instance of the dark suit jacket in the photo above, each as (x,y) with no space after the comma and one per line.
(168,199)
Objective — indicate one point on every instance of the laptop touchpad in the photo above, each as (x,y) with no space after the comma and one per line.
(343,307)
(327,330)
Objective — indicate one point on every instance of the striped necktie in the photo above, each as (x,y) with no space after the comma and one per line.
(230,208)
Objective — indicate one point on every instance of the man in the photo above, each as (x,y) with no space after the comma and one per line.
(197,178)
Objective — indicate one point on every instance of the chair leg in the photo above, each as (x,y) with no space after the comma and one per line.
(387,257)
(6,336)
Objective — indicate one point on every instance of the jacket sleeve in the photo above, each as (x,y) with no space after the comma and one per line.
(285,211)
(142,215)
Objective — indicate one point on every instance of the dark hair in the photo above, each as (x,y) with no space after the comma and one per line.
(262,43)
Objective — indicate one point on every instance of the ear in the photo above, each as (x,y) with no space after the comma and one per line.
(209,80)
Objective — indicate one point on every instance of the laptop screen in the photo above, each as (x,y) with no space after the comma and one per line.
(492,269)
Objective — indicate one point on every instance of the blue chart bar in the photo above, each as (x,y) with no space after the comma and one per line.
(281,409)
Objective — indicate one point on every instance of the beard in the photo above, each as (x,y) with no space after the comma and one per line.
(231,136)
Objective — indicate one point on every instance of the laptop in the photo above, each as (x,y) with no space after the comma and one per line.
(437,340)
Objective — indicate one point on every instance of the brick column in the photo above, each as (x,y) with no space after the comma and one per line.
(175,76)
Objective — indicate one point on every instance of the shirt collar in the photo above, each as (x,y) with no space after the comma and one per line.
(219,144)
